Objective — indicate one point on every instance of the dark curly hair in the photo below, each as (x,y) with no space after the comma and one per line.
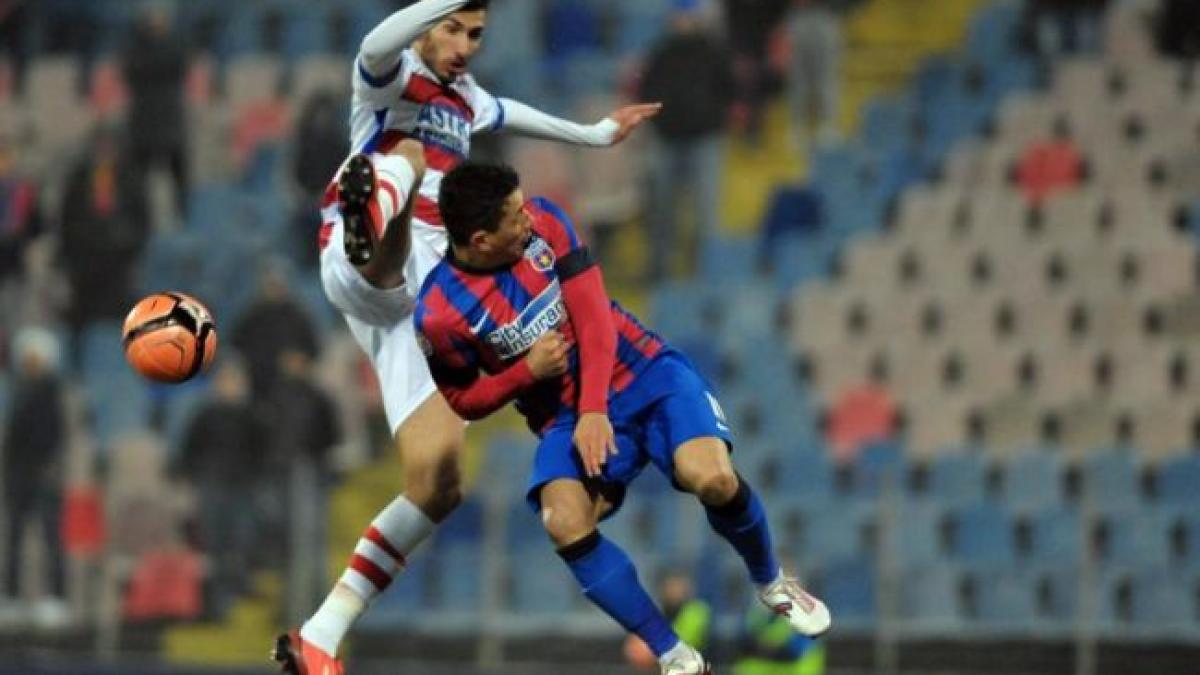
(472,198)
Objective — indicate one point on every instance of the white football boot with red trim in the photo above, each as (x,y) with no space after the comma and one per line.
(808,615)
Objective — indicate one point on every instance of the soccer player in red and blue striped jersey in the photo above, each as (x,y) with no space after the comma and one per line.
(517,311)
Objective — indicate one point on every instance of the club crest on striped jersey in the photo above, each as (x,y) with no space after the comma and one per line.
(544,313)
(540,255)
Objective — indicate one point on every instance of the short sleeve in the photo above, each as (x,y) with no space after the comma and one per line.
(382,90)
(555,226)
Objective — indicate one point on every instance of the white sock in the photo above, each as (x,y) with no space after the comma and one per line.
(395,178)
(380,555)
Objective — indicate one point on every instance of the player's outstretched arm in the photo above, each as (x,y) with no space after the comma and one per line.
(386,268)
(525,120)
(381,48)
(474,397)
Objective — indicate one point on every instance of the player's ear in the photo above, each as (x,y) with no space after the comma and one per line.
(480,241)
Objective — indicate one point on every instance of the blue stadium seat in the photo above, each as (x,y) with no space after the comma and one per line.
(1164,600)
(1184,532)
(525,527)
(794,210)
(1055,537)
(878,463)
(848,588)
(834,531)
(726,258)
(464,526)
(180,407)
(992,37)
(1033,480)
(1110,479)
(1007,600)
(1057,593)
(305,33)
(1132,536)
(1179,482)
(410,594)
(918,534)
(888,121)
(982,535)
(930,596)
(806,473)
(457,576)
(678,311)
(539,584)
(507,461)
(957,479)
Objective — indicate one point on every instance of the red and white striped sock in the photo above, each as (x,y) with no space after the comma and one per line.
(379,557)
(394,176)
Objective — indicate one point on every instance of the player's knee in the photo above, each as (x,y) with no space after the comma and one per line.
(566,526)
(717,486)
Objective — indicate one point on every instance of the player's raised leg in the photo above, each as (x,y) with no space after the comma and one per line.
(704,468)
(608,577)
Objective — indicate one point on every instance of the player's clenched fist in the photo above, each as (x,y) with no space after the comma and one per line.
(548,356)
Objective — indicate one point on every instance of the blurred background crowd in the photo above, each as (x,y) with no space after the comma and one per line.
(939,257)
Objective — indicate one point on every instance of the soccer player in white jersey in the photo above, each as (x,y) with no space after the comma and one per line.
(410,84)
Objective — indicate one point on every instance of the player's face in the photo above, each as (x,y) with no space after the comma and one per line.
(507,243)
(448,48)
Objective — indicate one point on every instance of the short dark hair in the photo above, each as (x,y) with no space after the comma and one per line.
(474,5)
(472,198)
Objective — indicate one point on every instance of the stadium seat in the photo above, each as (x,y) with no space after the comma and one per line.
(1131,536)
(1005,601)
(1049,537)
(848,588)
(982,535)
(1110,479)
(917,538)
(1184,532)
(1033,481)
(1178,482)
(539,584)
(930,597)
(456,576)
(957,479)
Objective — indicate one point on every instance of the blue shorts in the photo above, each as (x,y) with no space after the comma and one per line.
(668,404)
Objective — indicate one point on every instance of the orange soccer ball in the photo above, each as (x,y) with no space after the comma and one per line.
(169,337)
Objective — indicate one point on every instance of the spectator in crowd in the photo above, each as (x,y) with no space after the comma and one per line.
(271,326)
(1179,29)
(816,34)
(34,439)
(20,217)
(304,429)
(690,617)
(14,37)
(224,458)
(320,146)
(103,232)
(155,65)
(1059,27)
(769,646)
(749,25)
(689,72)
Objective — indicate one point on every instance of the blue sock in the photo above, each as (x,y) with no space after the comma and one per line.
(743,523)
(610,581)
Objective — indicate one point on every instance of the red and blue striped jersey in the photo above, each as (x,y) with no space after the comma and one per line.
(470,320)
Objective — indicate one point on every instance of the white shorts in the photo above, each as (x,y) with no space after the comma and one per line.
(381,319)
